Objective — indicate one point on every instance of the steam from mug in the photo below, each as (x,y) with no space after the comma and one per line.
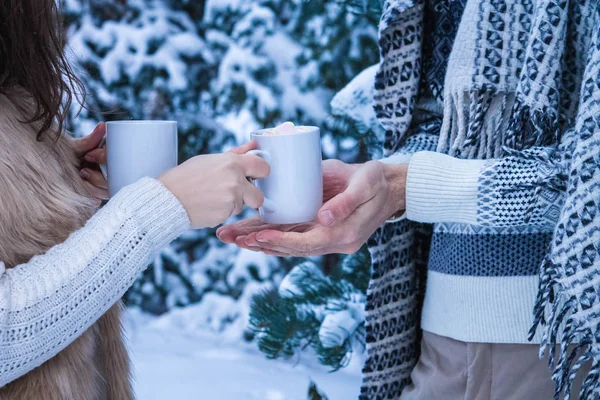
(137,149)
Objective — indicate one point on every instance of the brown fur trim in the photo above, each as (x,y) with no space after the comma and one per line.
(114,355)
(42,201)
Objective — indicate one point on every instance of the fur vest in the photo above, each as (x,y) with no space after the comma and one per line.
(42,201)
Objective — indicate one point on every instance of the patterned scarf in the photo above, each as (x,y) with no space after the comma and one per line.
(522,73)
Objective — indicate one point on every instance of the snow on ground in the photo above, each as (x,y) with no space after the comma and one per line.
(173,363)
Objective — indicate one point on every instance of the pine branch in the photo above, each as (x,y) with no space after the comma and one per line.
(314,393)
(306,311)
(371,9)
(278,327)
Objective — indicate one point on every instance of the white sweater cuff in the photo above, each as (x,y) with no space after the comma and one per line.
(158,213)
(440,188)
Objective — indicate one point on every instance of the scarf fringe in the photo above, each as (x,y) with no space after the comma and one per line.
(564,310)
(484,122)
(464,122)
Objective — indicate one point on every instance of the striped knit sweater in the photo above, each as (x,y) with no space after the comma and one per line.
(486,247)
(488,146)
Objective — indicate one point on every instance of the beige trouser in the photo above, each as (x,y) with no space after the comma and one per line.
(453,370)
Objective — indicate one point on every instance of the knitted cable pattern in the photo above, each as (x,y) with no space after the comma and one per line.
(48,302)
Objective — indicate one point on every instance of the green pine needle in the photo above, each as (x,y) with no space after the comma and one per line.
(287,321)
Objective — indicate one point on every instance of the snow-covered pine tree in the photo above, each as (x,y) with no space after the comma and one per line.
(320,305)
(223,68)
(326,310)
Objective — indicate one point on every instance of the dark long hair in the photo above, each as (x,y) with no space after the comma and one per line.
(32,59)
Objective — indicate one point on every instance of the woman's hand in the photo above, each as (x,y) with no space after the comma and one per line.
(374,193)
(86,149)
(212,188)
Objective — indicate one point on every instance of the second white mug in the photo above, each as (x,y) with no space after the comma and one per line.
(136,149)
(294,189)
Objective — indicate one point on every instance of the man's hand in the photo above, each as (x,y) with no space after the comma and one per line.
(336,175)
(87,150)
(372,194)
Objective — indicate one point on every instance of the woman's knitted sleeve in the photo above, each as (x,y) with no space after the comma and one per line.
(48,302)
(523,188)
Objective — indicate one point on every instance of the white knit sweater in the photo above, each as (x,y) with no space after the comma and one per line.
(468,297)
(48,302)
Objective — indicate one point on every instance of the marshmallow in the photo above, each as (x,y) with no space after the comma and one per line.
(286,127)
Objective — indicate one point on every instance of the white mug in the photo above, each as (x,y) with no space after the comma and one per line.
(294,189)
(137,149)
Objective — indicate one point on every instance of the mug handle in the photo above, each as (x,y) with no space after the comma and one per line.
(103,167)
(268,204)
(104,170)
